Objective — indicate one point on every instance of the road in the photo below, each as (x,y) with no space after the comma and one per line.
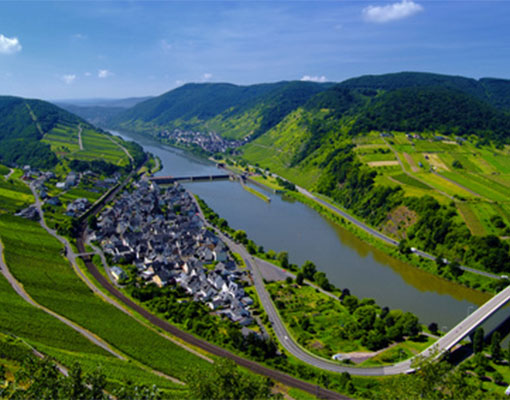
(202,344)
(383,237)
(18,288)
(80,129)
(467,325)
(11,171)
(445,343)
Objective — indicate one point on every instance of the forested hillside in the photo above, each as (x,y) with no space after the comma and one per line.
(349,143)
(231,110)
(40,134)
(22,126)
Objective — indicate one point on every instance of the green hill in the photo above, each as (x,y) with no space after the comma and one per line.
(437,109)
(40,134)
(22,126)
(493,91)
(230,110)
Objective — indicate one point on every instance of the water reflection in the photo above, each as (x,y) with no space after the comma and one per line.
(287,225)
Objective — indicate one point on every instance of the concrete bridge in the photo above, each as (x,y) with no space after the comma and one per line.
(470,323)
(162,180)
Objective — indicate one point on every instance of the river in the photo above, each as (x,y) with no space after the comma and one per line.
(284,225)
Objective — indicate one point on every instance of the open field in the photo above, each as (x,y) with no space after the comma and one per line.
(19,318)
(35,259)
(382,163)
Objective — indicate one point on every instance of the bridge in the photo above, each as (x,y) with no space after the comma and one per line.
(470,323)
(162,180)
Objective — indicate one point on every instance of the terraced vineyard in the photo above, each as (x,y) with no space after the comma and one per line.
(34,258)
(475,176)
(63,140)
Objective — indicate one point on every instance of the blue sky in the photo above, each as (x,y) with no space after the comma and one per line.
(73,49)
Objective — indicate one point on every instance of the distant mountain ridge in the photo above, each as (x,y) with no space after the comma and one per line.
(236,112)
(220,106)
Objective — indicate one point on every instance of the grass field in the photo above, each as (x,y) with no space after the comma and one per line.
(14,195)
(34,258)
(474,224)
(98,145)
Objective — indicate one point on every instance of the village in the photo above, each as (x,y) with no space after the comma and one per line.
(208,141)
(159,231)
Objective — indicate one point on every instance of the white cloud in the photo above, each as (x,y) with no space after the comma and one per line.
(179,82)
(68,79)
(308,78)
(104,73)
(391,12)
(9,45)
(87,74)
(79,36)
(207,76)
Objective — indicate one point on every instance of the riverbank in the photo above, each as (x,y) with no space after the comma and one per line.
(468,277)
(286,224)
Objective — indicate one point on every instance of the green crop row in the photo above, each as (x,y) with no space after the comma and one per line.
(34,257)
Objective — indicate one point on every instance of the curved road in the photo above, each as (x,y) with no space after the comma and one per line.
(443,344)
(189,338)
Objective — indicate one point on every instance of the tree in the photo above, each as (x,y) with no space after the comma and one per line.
(309,269)
(92,221)
(251,247)
(300,278)
(454,269)
(321,279)
(283,258)
(404,247)
(351,302)
(496,346)
(227,382)
(498,378)
(433,328)
(75,388)
(240,236)
(478,340)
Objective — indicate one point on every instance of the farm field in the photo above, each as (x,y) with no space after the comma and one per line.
(14,195)
(476,177)
(34,259)
(63,140)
